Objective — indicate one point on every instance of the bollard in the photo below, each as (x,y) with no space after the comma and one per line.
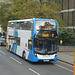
(74,63)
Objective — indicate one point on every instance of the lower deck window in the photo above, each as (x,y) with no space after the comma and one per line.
(45,45)
(14,40)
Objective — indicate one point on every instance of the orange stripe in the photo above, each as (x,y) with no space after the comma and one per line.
(7,41)
(50,51)
(74,63)
(43,50)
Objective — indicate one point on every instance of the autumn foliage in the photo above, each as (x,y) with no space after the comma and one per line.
(25,9)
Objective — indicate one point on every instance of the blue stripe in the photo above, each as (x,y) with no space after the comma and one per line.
(31,52)
(57,28)
(33,33)
(12,50)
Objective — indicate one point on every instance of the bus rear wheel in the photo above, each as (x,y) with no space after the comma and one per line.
(9,48)
(24,55)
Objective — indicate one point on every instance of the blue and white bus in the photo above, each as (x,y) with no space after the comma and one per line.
(33,39)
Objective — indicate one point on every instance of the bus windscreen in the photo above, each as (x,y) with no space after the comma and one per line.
(45,25)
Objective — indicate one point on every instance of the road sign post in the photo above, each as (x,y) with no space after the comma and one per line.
(74,63)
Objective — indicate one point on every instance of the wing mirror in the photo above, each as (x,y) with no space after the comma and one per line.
(61,42)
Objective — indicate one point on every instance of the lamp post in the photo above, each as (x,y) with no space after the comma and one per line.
(74,17)
(68,12)
(73,27)
(74,63)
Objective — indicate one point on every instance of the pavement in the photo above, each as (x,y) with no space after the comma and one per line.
(66,54)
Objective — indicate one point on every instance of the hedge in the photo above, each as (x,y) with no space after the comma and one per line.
(67,36)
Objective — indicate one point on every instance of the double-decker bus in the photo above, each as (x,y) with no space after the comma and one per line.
(33,39)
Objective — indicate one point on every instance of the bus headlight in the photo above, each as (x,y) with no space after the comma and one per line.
(35,55)
(55,55)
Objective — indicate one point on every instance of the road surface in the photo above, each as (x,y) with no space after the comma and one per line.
(11,64)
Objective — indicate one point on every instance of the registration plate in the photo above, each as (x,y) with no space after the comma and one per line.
(46,60)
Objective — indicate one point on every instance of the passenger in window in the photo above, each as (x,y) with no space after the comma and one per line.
(17,26)
(21,26)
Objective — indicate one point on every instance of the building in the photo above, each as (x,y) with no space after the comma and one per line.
(68,12)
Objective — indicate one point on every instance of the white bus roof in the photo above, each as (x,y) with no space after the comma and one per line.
(30,20)
(20,20)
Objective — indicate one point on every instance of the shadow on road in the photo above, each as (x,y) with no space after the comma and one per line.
(33,63)
(41,63)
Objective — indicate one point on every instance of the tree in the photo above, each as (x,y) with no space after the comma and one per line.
(23,9)
(2,14)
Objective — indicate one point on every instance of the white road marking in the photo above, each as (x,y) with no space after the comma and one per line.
(34,71)
(15,60)
(64,67)
(66,63)
(2,52)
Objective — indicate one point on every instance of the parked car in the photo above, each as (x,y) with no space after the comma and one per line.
(2,41)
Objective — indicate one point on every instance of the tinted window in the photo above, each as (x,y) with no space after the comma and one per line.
(20,25)
(26,25)
(45,25)
(12,24)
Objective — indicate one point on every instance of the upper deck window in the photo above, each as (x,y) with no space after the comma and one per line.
(12,24)
(28,25)
(25,25)
(45,25)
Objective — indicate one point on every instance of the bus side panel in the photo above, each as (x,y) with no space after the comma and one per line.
(10,33)
(24,35)
(31,57)
(13,47)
